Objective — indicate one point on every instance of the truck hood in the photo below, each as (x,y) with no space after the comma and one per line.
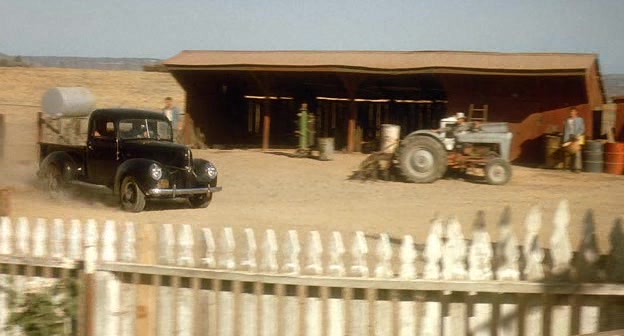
(166,153)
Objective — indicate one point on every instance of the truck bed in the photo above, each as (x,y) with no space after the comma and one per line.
(76,151)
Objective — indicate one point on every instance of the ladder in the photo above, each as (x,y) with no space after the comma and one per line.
(478,114)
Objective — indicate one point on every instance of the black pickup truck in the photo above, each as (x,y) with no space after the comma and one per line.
(132,152)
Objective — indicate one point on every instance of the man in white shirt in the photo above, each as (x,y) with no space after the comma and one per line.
(172,113)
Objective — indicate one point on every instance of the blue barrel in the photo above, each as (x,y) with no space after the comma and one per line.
(593,153)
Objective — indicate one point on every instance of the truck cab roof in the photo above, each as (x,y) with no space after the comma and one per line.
(127,113)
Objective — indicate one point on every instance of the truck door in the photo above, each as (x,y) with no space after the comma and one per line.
(102,157)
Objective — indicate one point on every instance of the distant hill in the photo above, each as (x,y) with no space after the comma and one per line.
(101,63)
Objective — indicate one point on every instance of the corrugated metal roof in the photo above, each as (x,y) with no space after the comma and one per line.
(393,61)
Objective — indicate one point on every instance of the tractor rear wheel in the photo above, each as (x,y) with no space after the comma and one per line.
(422,159)
(497,171)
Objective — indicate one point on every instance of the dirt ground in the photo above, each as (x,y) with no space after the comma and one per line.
(274,190)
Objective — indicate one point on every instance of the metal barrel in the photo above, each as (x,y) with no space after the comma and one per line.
(614,158)
(553,154)
(390,135)
(326,149)
(68,102)
(593,157)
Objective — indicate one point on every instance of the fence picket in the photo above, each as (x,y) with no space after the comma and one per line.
(560,246)
(588,252)
(23,237)
(454,257)
(184,320)
(6,236)
(533,253)
(226,250)
(167,245)
(359,253)
(109,241)
(480,252)
(507,254)
(314,262)
(248,262)
(408,256)
(40,238)
(186,242)
(58,238)
(615,264)
(108,293)
(336,253)
(75,243)
(128,249)
(128,302)
(209,259)
(291,250)
(533,271)
(384,258)
(269,252)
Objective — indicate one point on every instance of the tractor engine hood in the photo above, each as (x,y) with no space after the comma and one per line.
(167,153)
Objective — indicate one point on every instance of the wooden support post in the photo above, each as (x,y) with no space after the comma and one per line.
(351,126)
(2,136)
(351,84)
(266,124)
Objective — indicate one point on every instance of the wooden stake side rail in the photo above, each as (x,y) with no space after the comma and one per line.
(473,287)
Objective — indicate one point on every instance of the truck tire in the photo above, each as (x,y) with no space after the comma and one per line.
(497,171)
(200,201)
(422,159)
(53,182)
(131,196)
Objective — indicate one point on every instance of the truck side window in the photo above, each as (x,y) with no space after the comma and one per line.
(103,128)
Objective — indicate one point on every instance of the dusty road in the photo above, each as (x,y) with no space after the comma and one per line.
(272,190)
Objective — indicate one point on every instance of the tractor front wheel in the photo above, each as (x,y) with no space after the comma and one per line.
(497,171)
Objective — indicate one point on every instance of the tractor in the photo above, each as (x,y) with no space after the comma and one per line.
(424,156)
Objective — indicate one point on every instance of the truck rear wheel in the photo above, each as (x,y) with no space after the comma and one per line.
(422,159)
(131,197)
(200,201)
(497,171)
(53,182)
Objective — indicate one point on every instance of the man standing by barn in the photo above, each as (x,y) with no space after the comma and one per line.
(574,137)
(172,113)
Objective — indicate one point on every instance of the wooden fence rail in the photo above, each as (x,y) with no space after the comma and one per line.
(215,281)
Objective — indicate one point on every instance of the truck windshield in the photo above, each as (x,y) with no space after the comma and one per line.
(145,129)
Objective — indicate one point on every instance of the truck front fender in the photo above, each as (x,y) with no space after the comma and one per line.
(139,169)
(69,166)
(199,167)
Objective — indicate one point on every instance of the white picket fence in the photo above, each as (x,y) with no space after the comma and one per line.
(185,280)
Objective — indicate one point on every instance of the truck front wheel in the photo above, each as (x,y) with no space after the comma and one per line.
(422,159)
(131,197)
(200,201)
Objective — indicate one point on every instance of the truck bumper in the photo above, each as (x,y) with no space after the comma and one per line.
(173,192)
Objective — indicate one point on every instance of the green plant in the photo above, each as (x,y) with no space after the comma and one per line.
(43,307)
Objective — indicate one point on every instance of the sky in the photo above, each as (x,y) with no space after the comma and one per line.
(162,28)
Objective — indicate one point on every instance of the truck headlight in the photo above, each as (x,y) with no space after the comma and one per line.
(155,171)
(210,170)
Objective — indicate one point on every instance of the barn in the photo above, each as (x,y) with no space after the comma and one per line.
(251,98)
